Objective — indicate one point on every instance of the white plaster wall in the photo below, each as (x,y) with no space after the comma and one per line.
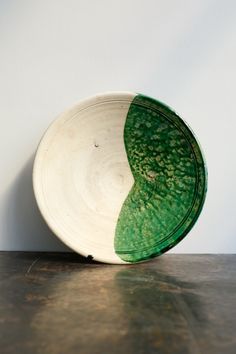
(55,52)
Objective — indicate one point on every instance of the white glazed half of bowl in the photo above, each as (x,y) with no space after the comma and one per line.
(81,174)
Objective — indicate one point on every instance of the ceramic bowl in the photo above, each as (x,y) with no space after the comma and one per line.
(119,177)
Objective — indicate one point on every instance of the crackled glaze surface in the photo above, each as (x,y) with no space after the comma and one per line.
(170,184)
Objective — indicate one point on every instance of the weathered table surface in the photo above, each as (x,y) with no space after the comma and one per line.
(61,303)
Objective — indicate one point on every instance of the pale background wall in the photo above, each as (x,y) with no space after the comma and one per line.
(55,52)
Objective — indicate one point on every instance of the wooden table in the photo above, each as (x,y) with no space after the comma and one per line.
(61,303)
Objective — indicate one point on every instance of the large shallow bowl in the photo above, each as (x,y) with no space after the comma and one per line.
(119,177)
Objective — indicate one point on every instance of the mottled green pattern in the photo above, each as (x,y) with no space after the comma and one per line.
(170,181)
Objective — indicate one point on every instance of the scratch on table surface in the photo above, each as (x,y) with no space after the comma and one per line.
(31,266)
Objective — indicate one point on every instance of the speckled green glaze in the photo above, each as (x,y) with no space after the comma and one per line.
(170,181)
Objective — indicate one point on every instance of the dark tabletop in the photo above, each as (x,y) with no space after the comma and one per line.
(61,303)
